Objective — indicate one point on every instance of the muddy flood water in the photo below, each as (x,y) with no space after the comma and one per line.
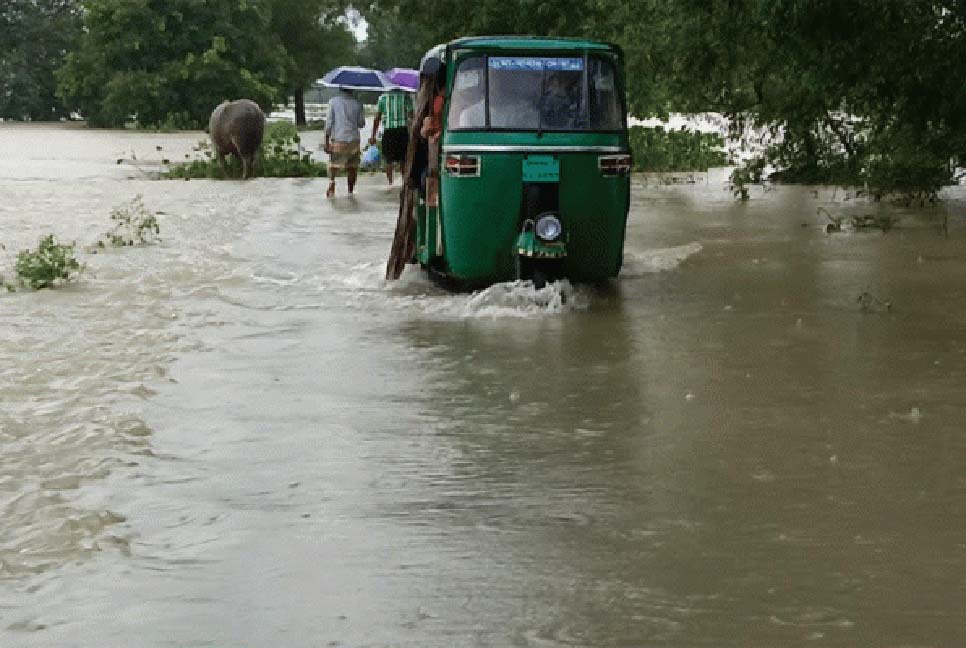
(242,436)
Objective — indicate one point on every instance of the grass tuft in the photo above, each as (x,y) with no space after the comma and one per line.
(281,156)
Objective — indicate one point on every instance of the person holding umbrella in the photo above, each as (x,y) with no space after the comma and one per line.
(343,122)
(395,110)
(345,119)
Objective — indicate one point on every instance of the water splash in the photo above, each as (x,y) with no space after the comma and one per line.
(363,286)
(515,299)
(658,260)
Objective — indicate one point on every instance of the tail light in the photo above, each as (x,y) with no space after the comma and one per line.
(614,165)
(462,165)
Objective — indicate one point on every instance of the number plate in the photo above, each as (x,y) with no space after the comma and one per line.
(541,168)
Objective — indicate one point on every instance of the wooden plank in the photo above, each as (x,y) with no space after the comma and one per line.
(404,240)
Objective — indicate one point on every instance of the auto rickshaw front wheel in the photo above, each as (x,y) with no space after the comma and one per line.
(539,271)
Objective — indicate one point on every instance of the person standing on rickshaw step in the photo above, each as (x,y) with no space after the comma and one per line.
(395,109)
(342,125)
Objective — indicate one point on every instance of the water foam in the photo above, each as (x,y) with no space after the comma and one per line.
(513,299)
(638,264)
(364,286)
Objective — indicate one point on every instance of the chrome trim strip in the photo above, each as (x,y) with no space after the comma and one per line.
(500,148)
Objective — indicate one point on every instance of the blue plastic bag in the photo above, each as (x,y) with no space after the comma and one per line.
(370,156)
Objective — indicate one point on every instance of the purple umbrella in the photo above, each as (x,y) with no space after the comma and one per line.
(404,78)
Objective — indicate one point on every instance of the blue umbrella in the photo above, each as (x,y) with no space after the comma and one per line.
(357,78)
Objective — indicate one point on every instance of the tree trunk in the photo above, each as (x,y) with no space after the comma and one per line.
(811,156)
(300,107)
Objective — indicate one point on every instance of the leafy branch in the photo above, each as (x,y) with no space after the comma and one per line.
(51,264)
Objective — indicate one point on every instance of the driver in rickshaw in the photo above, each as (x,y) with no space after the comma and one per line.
(558,105)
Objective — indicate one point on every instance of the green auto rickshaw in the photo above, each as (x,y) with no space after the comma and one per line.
(529,177)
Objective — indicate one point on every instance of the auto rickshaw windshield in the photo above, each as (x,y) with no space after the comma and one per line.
(541,93)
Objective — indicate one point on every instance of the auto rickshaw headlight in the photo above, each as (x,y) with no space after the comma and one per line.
(548,228)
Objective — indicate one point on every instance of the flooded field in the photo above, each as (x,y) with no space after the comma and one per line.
(242,436)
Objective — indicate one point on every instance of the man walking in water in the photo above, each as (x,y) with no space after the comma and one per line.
(342,124)
(396,108)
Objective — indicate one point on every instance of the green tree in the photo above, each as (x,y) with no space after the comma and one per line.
(867,91)
(400,31)
(315,38)
(858,91)
(392,41)
(170,62)
(35,36)
(897,66)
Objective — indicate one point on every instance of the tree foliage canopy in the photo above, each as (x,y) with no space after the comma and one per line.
(35,36)
(171,61)
(856,90)
(400,31)
(859,90)
(315,38)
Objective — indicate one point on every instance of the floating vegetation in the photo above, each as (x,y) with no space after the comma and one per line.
(869,303)
(865,222)
(133,225)
(869,222)
(280,156)
(51,264)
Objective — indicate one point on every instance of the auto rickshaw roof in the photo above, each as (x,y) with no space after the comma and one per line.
(529,43)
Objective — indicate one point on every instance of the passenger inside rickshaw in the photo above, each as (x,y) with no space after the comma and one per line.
(428,121)
(467,106)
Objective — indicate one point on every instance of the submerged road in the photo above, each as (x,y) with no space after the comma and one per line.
(242,436)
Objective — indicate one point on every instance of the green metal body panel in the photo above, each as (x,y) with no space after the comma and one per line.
(480,216)
(526,43)
(533,140)
(593,210)
(481,221)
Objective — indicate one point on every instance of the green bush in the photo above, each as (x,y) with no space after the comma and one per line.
(750,172)
(280,156)
(133,225)
(895,162)
(281,131)
(656,149)
(49,264)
